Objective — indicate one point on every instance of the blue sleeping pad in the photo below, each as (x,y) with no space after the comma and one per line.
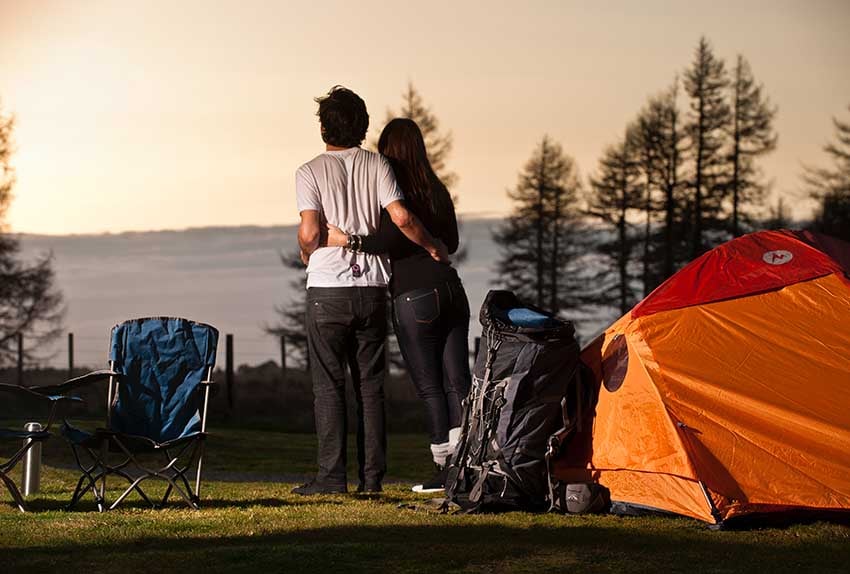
(523,317)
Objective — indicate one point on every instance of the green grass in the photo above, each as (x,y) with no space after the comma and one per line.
(251,523)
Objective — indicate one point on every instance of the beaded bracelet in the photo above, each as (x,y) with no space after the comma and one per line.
(355,243)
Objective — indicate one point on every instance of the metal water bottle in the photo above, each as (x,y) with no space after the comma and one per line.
(32,462)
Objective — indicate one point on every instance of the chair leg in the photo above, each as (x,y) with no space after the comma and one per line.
(177,471)
(104,453)
(166,495)
(13,490)
(186,495)
(198,472)
(78,492)
(193,496)
(139,490)
(133,486)
(88,478)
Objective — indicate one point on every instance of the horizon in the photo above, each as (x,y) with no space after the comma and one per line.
(158,116)
(470,217)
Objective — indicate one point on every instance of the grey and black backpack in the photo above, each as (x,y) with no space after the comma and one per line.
(526,388)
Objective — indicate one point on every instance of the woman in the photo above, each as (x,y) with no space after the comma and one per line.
(430,308)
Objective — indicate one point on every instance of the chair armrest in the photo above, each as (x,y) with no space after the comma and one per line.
(40,393)
(62,389)
(28,392)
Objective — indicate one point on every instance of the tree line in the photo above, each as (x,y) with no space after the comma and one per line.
(683,178)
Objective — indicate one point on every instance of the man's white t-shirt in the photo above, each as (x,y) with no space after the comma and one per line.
(348,188)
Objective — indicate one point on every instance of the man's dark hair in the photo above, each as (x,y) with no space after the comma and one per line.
(343,116)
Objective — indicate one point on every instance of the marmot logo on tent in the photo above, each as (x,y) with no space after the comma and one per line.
(780,257)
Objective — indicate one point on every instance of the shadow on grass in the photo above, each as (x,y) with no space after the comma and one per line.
(88,505)
(574,546)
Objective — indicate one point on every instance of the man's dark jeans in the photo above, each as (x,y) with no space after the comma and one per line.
(348,326)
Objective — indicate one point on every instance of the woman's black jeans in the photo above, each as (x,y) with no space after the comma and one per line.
(432,328)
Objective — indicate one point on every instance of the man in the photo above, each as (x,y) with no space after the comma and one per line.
(348,186)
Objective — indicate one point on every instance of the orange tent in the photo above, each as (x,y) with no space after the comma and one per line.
(726,391)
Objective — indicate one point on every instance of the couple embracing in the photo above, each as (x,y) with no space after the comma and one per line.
(369,222)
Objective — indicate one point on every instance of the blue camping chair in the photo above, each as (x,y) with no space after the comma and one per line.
(156,404)
(46,396)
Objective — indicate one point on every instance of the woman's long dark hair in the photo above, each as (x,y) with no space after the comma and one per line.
(402,144)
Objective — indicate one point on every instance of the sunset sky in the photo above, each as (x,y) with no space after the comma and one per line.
(172,114)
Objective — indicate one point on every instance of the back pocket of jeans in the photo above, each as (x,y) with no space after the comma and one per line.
(324,309)
(425,305)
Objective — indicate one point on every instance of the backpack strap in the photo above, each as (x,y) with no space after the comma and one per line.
(556,442)
(456,469)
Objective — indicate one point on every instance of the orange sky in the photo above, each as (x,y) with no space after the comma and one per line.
(171,114)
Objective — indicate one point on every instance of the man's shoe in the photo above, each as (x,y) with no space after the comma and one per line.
(314,487)
(437,482)
(370,488)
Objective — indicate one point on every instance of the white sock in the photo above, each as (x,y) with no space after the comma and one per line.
(454,437)
(439,452)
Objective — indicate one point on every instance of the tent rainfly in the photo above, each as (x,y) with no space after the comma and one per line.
(726,391)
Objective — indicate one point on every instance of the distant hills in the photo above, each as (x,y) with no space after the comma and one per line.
(231,277)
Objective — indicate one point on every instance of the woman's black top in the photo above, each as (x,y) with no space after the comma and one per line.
(412,266)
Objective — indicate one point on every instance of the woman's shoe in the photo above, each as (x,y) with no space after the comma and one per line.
(437,482)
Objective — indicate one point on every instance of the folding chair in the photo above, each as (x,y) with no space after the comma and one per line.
(156,405)
(28,439)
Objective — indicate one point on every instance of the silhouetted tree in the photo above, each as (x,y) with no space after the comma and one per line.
(292,323)
(437,143)
(538,240)
(779,216)
(830,186)
(29,301)
(616,195)
(706,83)
(752,135)
(659,139)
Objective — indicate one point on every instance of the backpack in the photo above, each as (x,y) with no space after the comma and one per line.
(517,413)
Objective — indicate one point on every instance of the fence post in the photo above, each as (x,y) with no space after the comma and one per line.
(283,357)
(20,359)
(228,368)
(70,355)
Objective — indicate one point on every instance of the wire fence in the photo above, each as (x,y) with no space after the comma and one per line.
(79,351)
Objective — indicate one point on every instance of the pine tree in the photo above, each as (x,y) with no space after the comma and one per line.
(831,186)
(616,194)
(538,240)
(292,324)
(752,135)
(706,84)
(437,143)
(779,216)
(30,303)
(659,138)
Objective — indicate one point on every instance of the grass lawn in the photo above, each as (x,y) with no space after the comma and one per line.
(251,523)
